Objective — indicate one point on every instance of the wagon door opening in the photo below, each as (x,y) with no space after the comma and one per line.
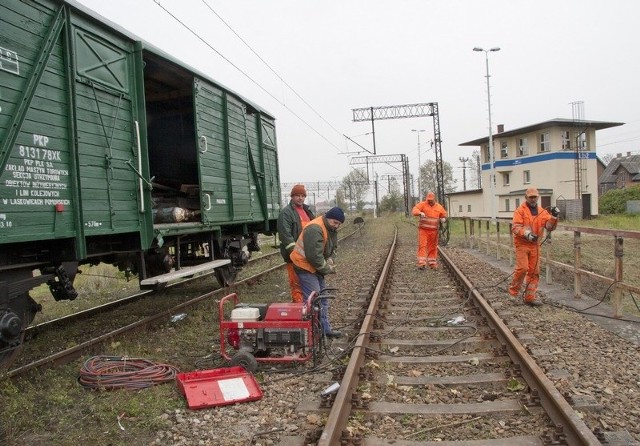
(173,161)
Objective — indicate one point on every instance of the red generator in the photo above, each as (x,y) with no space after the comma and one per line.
(277,332)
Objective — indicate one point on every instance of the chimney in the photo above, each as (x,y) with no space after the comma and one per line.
(618,155)
(500,128)
(628,153)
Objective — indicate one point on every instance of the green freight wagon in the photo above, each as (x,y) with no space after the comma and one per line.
(112,151)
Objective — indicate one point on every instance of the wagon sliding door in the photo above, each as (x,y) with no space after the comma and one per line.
(106,138)
(227,183)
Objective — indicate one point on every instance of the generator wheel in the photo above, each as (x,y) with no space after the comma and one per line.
(246,360)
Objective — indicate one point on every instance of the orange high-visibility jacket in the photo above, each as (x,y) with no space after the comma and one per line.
(524,221)
(315,252)
(432,215)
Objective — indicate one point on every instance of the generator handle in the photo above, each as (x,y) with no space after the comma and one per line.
(223,301)
(310,301)
(314,296)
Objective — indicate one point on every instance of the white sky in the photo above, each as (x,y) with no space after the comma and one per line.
(344,54)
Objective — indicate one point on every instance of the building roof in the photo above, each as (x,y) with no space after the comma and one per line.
(465,192)
(557,122)
(631,163)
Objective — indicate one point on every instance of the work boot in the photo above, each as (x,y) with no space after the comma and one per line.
(533,303)
(333,334)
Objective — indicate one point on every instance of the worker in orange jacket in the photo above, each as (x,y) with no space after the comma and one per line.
(431,215)
(291,221)
(528,225)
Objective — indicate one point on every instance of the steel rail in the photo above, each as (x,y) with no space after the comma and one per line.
(339,414)
(42,327)
(556,406)
(573,429)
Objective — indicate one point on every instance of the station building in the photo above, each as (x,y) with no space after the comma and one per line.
(558,157)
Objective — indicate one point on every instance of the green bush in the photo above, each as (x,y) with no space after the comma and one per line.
(615,200)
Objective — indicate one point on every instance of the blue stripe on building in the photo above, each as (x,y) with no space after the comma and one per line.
(551,156)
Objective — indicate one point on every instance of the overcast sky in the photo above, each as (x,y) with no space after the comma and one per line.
(328,57)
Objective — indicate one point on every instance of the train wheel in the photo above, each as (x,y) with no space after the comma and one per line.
(14,320)
(246,360)
(226,275)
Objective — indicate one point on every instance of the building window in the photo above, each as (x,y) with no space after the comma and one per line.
(526,177)
(505,179)
(517,202)
(621,180)
(523,147)
(582,141)
(507,206)
(545,142)
(460,208)
(566,140)
(468,208)
(504,149)
(486,154)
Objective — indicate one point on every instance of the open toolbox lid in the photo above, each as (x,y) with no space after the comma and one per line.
(218,387)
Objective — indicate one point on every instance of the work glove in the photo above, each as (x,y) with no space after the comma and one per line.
(330,261)
(422,214)
(443,220)
(332,270)
(530,236)
(555,212)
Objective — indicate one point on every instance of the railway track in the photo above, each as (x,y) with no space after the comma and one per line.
(437,365)
(430,368)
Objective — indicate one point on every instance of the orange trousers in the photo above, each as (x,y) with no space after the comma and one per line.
(527,271)
(294,283)
(427,247)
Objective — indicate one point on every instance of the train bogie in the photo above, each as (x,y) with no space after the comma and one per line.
(112,151)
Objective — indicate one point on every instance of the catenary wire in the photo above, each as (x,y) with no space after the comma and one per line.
(184,25)
(270,68)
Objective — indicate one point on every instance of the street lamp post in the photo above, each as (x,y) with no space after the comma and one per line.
(419,165)
(492,178)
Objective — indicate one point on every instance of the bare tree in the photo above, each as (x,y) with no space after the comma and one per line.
(354,188)
(394,200)
(430,179)
(473,168)
(606,159)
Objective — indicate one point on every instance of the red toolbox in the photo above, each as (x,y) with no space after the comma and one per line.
(218,387)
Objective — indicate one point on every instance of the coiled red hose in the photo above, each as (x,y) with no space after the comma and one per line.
(113,372)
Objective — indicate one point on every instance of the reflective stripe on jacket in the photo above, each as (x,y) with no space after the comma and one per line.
(432,215)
